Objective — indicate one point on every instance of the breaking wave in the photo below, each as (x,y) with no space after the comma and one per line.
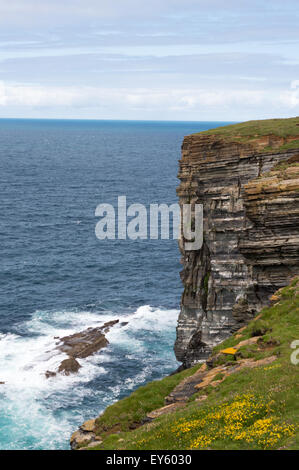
(41,413)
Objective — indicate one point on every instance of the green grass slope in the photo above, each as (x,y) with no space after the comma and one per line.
(255,408)
(129,412)
(252,131)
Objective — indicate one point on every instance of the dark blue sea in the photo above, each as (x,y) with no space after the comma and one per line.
(57,278)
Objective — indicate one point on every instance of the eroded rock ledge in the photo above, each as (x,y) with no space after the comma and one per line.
(81,345)
(251,241)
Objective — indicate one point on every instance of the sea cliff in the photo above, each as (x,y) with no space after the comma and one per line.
(247,178)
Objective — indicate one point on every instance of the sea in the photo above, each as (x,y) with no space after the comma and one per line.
(57,278)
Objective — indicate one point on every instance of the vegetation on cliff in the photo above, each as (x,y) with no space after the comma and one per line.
(243,400)
(281,134)
(128,413)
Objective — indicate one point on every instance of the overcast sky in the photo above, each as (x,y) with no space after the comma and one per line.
(149,59)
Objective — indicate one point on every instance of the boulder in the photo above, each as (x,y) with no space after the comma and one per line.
(50,373)
(91,445)
(69,366)
(88,426)
(81,439)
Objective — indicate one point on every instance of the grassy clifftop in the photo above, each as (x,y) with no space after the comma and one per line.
(281,134)
(245,399)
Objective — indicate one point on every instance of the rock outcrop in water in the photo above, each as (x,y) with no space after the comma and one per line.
(248,184)
(81,345)
(86,342)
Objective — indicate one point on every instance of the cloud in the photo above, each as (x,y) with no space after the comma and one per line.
(167,58)
(143,98)
(290,99)
(66,11)
(229,15)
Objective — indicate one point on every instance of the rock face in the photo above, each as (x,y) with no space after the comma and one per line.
(250,242)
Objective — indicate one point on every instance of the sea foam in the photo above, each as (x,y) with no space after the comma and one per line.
(36,412)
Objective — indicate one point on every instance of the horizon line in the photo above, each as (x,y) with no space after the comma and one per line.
(103,119)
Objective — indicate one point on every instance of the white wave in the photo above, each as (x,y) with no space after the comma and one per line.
(145,319)
(25,359)
(27,406)
(150,318)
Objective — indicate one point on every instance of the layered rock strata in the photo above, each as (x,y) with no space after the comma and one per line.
(250,243)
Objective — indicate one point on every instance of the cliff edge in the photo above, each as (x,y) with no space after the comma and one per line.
(247,178)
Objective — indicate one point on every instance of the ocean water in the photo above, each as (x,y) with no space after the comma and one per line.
(57,278)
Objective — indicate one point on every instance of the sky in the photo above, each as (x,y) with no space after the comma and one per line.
(183,60)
